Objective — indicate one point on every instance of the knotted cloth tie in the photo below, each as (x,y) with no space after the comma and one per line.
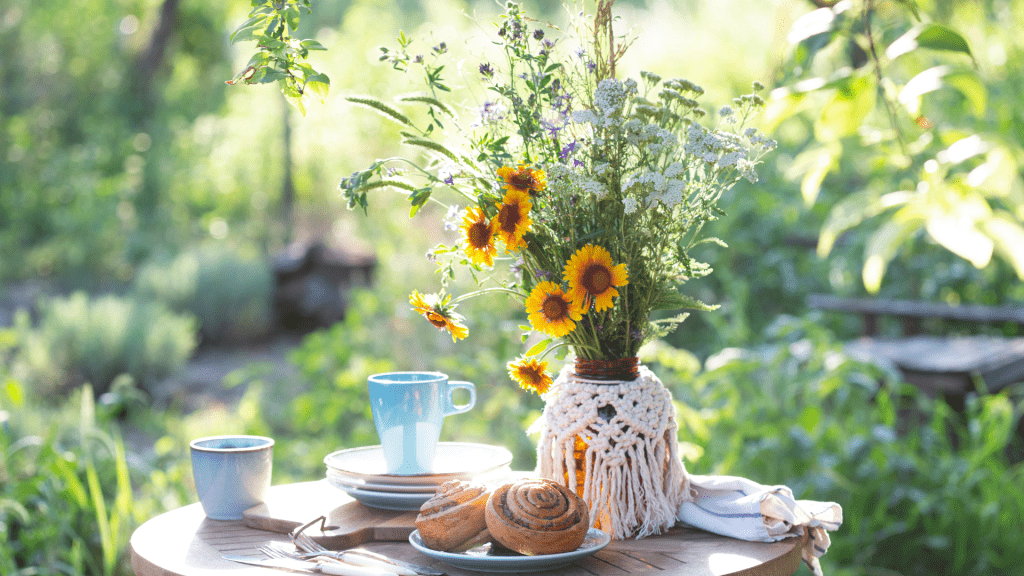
(741,508)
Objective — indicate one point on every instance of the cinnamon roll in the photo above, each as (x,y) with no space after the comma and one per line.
(537,516)
(453,519)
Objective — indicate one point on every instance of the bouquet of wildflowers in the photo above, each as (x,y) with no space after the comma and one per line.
(589,190)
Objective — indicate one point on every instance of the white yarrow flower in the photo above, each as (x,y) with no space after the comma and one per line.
(630,205)
(595,188)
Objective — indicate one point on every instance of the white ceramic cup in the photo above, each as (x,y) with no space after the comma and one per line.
(232,473)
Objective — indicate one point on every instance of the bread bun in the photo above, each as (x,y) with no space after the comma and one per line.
(453,519)
(537,516)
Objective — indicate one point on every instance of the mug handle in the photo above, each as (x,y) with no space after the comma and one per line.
(454,385)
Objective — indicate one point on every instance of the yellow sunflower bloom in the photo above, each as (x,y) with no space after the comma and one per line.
(530,374)
(551,311)
(478,237)
(439,313)
(523,179)
(513,219)
(592,277)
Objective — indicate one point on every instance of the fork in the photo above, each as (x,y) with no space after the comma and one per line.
(311,548)
(351,569)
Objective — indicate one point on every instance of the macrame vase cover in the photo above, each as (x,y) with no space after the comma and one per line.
(633,479)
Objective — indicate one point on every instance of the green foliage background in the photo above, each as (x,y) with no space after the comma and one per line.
(99,180)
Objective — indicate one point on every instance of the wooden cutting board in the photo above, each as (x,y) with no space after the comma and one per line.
(349,523)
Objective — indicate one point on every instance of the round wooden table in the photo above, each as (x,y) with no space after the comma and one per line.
(183,542)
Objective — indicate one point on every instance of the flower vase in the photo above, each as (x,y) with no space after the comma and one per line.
(609,431)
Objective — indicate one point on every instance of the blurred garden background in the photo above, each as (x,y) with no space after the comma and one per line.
(148,211)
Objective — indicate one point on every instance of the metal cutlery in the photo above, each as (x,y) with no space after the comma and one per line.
(278,550)
(307,545)
(309,567)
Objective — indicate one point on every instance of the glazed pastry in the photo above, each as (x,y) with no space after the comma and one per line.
(453,520)
(537,516)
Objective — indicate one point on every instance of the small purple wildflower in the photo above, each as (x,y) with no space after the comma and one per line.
(567,150)
(486,70)
(517,268)
(538,34)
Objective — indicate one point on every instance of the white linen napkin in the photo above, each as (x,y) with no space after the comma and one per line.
(741,508)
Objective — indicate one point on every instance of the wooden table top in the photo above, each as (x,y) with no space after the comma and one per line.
(183,542)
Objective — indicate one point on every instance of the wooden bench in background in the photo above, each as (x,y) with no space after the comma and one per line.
(945,365)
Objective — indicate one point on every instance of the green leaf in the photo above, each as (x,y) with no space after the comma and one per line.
(809,417)
(851,211)
(291,16)
(931,36)
(814,165)
(1008,236)
(885,242)
(319,85)
(14,392)
(73,486)
(272,27)
(932,79)
(820,21)
(538,347)
(312,45)
(971,87)
(952,222)
(247,30)
(675,301)
(294,97)
(844,114)
(267,75)
(418,198)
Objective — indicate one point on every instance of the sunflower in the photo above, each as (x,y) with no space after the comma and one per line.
(550,311)
(530,374)
(592,277)
(478,237)
(440,313)
(523,179)
(513,219)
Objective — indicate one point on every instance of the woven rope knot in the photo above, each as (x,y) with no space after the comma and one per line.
(634,480)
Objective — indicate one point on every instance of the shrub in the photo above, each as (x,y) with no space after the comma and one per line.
(81,339)
(66,503)
(932,499)
(229,294)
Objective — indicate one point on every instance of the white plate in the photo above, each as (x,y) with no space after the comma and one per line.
(338,478)
(385,500)
(452,461)
(478,559)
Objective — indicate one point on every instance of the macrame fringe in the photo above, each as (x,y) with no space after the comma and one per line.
(634,480)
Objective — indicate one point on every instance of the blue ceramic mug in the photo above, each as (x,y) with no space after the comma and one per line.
(408,410)
(232,473)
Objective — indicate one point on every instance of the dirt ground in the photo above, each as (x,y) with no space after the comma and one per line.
(202,381)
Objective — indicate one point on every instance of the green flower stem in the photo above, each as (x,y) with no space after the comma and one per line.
(490,290)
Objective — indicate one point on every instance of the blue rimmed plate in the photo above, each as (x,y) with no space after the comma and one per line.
(483,559)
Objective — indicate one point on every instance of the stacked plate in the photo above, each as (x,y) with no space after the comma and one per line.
(360,472)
